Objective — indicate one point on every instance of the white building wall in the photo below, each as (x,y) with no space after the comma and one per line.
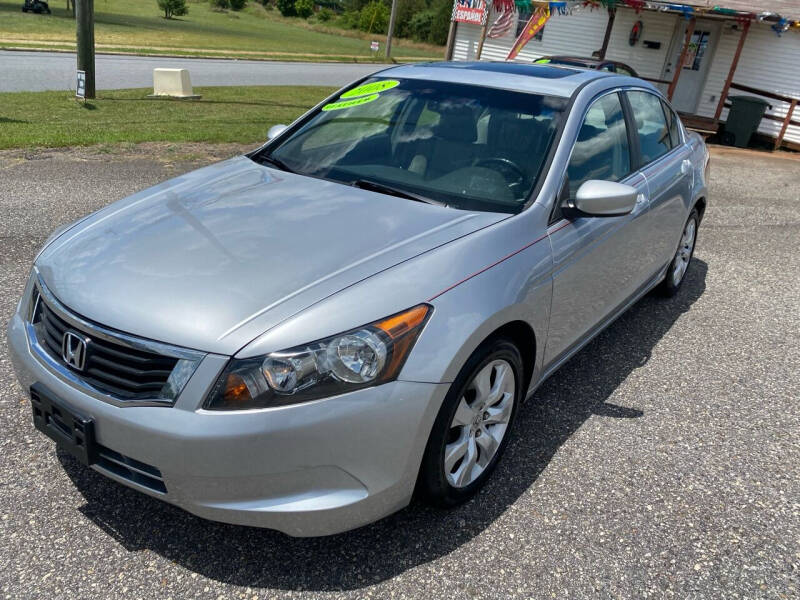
(656,27)
(767,62)
(577,35)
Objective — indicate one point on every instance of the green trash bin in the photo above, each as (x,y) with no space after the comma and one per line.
(743,118)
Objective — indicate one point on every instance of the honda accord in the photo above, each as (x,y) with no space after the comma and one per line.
(303,337)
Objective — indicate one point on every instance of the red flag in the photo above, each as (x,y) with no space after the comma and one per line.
(532,27)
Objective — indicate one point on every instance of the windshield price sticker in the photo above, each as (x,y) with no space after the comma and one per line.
(350,103)
(371,88)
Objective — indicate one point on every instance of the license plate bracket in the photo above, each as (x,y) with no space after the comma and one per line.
(71,430)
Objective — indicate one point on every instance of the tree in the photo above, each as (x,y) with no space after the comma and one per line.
(374,18)
(441,21)
(406,10)
(304,8)
(173,8)
(286,7)
(237,4)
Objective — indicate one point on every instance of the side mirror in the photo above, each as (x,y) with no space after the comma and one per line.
(275,131)
(597,198)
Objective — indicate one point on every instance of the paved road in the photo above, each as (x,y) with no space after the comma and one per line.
(662,462)
(36,71)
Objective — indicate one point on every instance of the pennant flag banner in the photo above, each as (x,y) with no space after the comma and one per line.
(536,22)
(571,7)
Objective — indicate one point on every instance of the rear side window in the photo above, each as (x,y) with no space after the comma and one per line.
(601,150)
(672,123)
(651,125)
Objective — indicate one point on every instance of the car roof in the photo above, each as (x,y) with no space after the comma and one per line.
(579,60)
(551,80)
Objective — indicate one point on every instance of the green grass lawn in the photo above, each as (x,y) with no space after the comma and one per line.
(223,114)
(138,25)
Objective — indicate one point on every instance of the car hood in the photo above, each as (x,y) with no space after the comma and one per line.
(212,259)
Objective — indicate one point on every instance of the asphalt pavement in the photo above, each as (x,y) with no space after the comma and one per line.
(38,71)
(663,461)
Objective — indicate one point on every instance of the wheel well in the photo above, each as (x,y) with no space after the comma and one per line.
(524,339)
(700,205)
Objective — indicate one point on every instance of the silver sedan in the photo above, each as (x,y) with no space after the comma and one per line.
(303,337)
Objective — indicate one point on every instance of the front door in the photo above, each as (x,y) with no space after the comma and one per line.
(695,64)
(598,261)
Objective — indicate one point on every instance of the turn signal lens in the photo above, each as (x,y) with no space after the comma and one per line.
(236,391)
(359,358)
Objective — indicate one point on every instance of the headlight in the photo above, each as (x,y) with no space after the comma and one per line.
(363,357)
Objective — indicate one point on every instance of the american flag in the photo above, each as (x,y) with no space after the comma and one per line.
(504,23)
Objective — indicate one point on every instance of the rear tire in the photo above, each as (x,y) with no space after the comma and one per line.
(676,272)
(473,426)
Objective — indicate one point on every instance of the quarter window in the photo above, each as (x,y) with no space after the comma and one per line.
(601,151)
(651,125)
(672,123)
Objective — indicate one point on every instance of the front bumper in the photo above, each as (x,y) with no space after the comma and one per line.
(310,469)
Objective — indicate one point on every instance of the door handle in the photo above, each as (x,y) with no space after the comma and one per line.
(686,166)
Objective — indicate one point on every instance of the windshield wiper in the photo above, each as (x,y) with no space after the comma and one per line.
(374,186)
(275,162)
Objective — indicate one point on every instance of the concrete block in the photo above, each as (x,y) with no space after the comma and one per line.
(174,83)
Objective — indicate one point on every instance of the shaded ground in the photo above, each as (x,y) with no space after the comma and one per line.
(662,461)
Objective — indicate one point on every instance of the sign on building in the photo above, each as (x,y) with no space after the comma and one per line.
(470,11)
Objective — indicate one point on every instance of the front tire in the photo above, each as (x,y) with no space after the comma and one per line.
(473,425)
(676,272)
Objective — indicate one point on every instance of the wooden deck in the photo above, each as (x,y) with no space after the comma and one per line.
(705,126)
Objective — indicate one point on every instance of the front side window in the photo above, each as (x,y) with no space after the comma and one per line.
(601,150)
(651,125)
(468,146)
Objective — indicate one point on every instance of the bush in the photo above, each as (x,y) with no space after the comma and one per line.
(173,8)
(304,8)
(324,15)
(286,7)
(350,19)
(220,4)
(374,18)
(237,4)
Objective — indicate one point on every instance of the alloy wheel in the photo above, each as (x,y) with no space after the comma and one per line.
(479,423)
(684,254)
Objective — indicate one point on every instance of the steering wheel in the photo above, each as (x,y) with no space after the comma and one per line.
(510,170)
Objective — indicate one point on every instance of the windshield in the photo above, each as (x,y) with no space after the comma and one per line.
(465,146)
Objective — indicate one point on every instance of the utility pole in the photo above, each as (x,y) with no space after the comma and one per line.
(84,16)
(392,18)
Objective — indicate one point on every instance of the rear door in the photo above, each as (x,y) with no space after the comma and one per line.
(597,260)
(664,161)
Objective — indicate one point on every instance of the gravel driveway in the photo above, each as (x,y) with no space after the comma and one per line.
(662,461)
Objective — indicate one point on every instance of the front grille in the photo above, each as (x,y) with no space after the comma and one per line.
(115,369)
(130,469)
